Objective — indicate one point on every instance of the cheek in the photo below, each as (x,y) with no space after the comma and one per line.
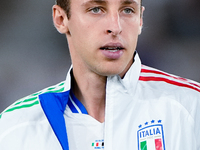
(83,39)
(131,30)
(132,24)
(130,33)
(78,34)
(84,31)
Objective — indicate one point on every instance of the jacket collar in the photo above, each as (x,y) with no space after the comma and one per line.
(54,104)
(129,82)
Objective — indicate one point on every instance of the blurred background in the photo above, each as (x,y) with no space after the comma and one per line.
(33,55)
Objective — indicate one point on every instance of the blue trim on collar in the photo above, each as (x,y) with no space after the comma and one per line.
(54,105)
(78,103)
(72,107)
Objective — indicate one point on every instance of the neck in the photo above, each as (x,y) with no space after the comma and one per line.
(90,89)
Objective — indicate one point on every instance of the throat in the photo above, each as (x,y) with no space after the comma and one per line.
(91,93)
(94,104)
(97,113)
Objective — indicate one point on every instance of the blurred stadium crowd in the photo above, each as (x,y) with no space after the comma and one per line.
(33,55)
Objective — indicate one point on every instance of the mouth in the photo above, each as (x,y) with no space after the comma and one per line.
(112,50)
(112,47)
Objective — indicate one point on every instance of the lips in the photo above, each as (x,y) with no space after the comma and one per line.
(112,47)
(112,50)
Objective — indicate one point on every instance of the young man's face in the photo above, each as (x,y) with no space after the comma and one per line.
(103,34)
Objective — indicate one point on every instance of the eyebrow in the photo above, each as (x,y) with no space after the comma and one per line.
(102,2)
(128,2)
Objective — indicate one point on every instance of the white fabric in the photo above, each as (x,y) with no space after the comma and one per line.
(140,111)
(83,131)
(131,103)
(27,129)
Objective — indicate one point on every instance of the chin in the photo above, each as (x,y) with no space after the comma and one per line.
(111,68)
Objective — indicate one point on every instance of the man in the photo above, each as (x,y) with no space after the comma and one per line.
(110,101)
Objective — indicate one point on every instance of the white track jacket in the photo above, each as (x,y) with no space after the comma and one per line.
(146,110)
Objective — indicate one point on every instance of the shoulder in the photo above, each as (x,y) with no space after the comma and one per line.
(178,91)
(26,110)
(156,76)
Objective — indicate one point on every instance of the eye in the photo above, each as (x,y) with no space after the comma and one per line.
(128,11)
(95,10)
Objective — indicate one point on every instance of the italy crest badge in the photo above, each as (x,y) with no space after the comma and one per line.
(151,136)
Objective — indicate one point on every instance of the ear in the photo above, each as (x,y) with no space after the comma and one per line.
(60,19)
(141,19)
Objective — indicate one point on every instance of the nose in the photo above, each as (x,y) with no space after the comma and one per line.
(114,26)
